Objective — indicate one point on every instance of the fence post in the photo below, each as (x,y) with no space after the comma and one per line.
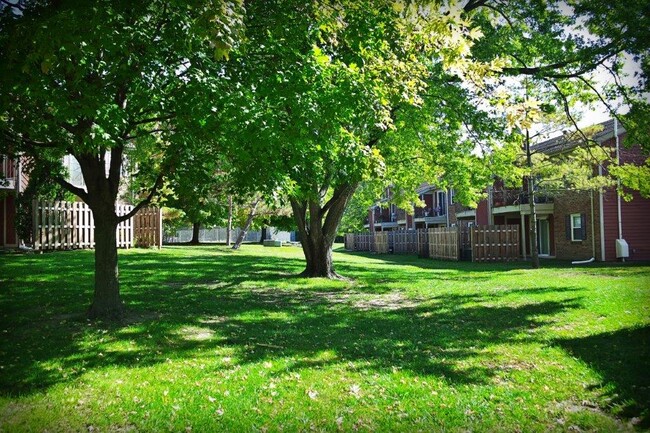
(36,230)
(159,227)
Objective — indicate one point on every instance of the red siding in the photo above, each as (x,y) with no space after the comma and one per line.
(428,199)
(634,221)
(634,214)
(11,220)
(2,221)
(8,226)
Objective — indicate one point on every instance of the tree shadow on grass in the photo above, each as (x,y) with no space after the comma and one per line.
(622,358)
(637,268)
(441,336)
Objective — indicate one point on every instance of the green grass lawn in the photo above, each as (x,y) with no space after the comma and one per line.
(221,340)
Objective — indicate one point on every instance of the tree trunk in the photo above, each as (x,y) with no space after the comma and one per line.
(196,231)
(247,226)
(534,251)
(263,235)
(107,303)
(229,228)
(318,254)
(317,226)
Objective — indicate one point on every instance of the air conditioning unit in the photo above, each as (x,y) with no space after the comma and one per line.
(622,249)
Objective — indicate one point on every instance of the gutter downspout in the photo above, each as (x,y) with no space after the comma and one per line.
(618,185)
(601,217)
(18,179)
(593,234)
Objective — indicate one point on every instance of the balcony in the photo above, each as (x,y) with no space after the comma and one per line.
(429,216)
(510,200)
(464,211)
(401,216)
(7,173)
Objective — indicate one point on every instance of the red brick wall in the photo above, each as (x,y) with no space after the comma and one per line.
(482,213)
(571,202)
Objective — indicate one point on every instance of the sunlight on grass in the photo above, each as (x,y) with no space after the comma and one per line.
(222,340)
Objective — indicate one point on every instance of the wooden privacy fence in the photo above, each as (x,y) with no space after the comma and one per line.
(68,225)
(363,242)
(494,243)
(423,243)
(403,241)
(484,243)
(147,228)
(444,243)
(381,242)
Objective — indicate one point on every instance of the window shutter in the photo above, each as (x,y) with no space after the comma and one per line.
(583,223)
(567,226)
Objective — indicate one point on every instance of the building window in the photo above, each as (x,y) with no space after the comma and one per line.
(452,193)
(577,227)
(441,208)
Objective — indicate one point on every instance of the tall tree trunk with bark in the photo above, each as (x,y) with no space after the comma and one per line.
(107,303)
(534,249)
(196,231)
(101,196)
(264,233)
(317,225)
(229,227)
(247,225)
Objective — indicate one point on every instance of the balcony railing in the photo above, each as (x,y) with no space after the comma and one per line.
(7,173)
(428,212)
(511,197)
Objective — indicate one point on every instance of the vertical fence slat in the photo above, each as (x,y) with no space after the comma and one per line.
(495,243)
(65,225)
(484,243)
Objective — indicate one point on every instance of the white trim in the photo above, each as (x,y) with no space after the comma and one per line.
(466,214)
(573,227)
(4,222)
(601,217)
(548,237)
(523,236)
(618,186)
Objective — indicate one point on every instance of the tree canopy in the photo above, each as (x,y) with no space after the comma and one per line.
(106,81)
(305,99)
(338,93)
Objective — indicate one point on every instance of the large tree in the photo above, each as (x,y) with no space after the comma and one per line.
(338,93)
(106,81)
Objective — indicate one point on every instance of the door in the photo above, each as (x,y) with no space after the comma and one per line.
(544,237)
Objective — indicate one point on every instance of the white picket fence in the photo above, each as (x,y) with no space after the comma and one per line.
(69,225)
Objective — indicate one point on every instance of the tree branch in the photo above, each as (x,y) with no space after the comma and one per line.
(545,71)
(146,201)
(567,111)
(300,215)
(154,119)
(115,169)
(152,131)
(474,4)
(79,192)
